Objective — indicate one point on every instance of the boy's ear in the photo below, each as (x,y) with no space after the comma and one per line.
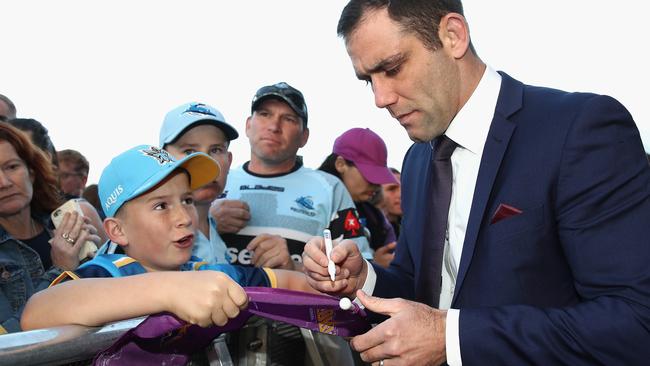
(114,228)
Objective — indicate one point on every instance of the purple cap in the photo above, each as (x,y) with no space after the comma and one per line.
(368,153)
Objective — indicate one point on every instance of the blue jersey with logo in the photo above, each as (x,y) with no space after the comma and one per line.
(296,206)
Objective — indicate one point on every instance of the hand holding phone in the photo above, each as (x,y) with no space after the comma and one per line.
(57,217)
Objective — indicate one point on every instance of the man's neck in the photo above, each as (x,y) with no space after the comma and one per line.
(259,167)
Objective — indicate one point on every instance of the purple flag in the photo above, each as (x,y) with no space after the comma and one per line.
(165,339)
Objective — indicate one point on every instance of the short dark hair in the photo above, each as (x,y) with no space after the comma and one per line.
(12,108)
(420,17)
(74,157)
(329,165)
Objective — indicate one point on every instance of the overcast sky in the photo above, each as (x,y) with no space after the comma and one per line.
(101,75)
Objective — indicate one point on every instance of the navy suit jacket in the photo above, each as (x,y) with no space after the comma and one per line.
(567,281)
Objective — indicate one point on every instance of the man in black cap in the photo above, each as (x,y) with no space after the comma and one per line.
(274,194)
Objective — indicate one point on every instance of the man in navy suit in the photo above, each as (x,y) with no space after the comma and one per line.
(545,254)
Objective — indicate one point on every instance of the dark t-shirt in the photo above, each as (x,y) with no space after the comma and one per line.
(40,243)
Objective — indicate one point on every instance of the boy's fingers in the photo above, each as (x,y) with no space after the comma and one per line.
(238,295)
(230,309)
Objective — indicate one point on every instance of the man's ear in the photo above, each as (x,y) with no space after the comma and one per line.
(115,230)
(454,34)
(304,137)
(248,126)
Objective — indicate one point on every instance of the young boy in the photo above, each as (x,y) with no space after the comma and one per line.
(147,197)
(197,127)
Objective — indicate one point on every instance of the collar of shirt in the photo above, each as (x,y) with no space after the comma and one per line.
(469,129)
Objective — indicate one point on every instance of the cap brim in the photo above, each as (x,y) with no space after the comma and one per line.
(376,174)
(228,130)
(202,169)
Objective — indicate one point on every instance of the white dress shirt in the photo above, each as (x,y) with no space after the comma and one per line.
(469,129)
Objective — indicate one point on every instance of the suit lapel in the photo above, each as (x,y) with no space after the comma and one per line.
(501,129)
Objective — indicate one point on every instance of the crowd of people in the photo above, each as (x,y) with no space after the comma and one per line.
(520,236)
(250,223)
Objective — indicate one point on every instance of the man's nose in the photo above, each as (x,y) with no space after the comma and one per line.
(384,94)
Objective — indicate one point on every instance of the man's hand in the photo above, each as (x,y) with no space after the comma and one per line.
(384,255)
(204,297)
(270,251)
(413,335)
(230,215)
(351,269)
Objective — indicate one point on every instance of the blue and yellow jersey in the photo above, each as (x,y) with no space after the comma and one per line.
(120,265)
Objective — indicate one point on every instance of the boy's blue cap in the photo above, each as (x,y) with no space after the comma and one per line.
(137,170)
(184,117)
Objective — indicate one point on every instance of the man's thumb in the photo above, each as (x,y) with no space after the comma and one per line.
(376,304)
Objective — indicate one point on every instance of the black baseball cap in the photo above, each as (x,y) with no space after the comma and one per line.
(285,92)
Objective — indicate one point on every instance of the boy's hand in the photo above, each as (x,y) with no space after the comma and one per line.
(351,269)
(205,297)
(270,251)
(230,215)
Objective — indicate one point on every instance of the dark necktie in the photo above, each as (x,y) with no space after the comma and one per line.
(441,198)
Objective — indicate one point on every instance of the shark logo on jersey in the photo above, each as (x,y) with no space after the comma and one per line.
(305,206)
(306,202)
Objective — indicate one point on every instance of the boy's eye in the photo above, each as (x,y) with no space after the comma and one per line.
(160,206)
(188,201)
(217,150)
(189,151)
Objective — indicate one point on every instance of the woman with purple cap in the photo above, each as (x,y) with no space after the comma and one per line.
(358,158)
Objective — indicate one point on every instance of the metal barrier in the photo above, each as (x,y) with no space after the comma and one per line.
(60,345)
(78,344)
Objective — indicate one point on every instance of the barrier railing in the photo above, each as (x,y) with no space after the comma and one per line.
(78,344)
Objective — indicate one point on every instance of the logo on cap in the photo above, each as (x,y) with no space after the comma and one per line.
(199,108)
(160,155)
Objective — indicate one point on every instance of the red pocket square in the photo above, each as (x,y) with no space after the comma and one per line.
(503,212)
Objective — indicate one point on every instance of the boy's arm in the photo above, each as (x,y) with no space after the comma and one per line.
(293,280)
(202,298)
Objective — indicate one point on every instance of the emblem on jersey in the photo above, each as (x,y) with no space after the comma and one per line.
(160,155)
(305,202)
(351,224)
(305,206)
(346,223)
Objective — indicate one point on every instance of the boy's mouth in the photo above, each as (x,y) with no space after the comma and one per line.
(186,241)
